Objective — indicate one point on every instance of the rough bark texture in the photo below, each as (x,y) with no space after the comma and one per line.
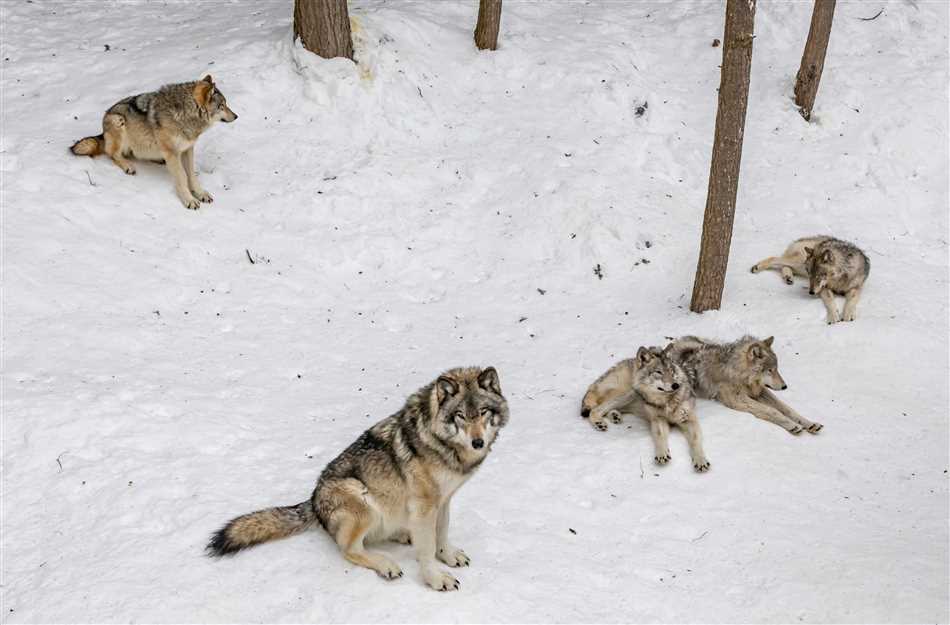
(489,21)
(813,58)
(323,26)
(727,153)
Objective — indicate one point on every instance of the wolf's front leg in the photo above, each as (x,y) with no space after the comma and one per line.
(760,410)
(769,397)
(851,304)
(828,298)
(188,162)
(176,169)
(694,436)
(444,551)
(660,430)
(423,520)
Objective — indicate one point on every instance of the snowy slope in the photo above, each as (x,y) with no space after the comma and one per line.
(404,215)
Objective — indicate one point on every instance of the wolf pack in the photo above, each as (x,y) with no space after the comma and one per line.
(397,480)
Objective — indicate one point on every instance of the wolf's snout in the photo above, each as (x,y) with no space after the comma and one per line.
(811,291)
(675,385)
(478,443)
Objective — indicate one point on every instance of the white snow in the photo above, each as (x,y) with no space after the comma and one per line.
(404,215)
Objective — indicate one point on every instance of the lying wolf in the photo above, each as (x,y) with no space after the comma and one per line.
(739,375)
(652,386)
(396,481)
(833,267)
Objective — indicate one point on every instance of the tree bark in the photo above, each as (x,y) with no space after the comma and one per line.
(489,21)
(726,156)
(813,58)
(323,26)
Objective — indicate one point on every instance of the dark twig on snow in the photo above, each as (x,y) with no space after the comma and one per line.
(91,183)
(700,537)
(249,257)
(869,19)
(60,463)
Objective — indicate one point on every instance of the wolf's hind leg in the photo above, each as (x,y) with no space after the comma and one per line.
(113,131)
(350,522)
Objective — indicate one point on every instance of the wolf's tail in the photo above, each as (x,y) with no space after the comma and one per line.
(261,526)
(89,146)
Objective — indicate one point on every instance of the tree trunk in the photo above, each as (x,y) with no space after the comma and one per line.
(727,153)
(813,58)
(489,21)
(323,26)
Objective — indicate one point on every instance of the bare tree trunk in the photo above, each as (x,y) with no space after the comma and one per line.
(727,153)
(813,58)
(489,21)
(324,27)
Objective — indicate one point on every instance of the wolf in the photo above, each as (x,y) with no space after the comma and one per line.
(162,126)
(832,266)
(654,387)
(740,375)
(396,481)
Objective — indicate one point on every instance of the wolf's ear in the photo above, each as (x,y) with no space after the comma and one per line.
(755,351)
(488,380)
(208,78)
(668,350)
(768,341)
(644,355)
(827,257)
(809,251)
(202,93)
(445,387)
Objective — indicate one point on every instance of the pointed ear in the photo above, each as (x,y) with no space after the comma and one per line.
(827,257)
(488,380)
(668,350)
(809,251)
(208,78)
(768,341)
(445,387)
(644,355)
(202,93)
(755,351)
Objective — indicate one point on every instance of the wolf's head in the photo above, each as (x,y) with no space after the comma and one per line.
(762,365)
(467,410)
(822,269)
(658,371)
(213,101)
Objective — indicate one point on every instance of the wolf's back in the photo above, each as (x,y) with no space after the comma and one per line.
(261,526)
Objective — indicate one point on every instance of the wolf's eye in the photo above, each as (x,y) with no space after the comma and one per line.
(486,413)
(459,414)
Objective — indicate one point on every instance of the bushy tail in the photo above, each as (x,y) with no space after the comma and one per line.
(89,146)
(261,526)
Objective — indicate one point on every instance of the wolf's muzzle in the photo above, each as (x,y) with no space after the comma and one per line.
(478,443)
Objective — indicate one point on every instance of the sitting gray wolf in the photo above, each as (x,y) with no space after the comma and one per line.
(396,481)
(832,266)
(161,126)
(652,386)
(739,375)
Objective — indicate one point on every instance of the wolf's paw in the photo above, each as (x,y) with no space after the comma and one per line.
(849,317)
(203,196)
(830,319)
(615,416)
(599,425)
(389,570)
(662,459)
(129,170)
(814,428)
(795,429)
(440,580)
(453,557)
(701,465)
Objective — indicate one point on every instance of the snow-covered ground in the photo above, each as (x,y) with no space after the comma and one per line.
(435,206)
